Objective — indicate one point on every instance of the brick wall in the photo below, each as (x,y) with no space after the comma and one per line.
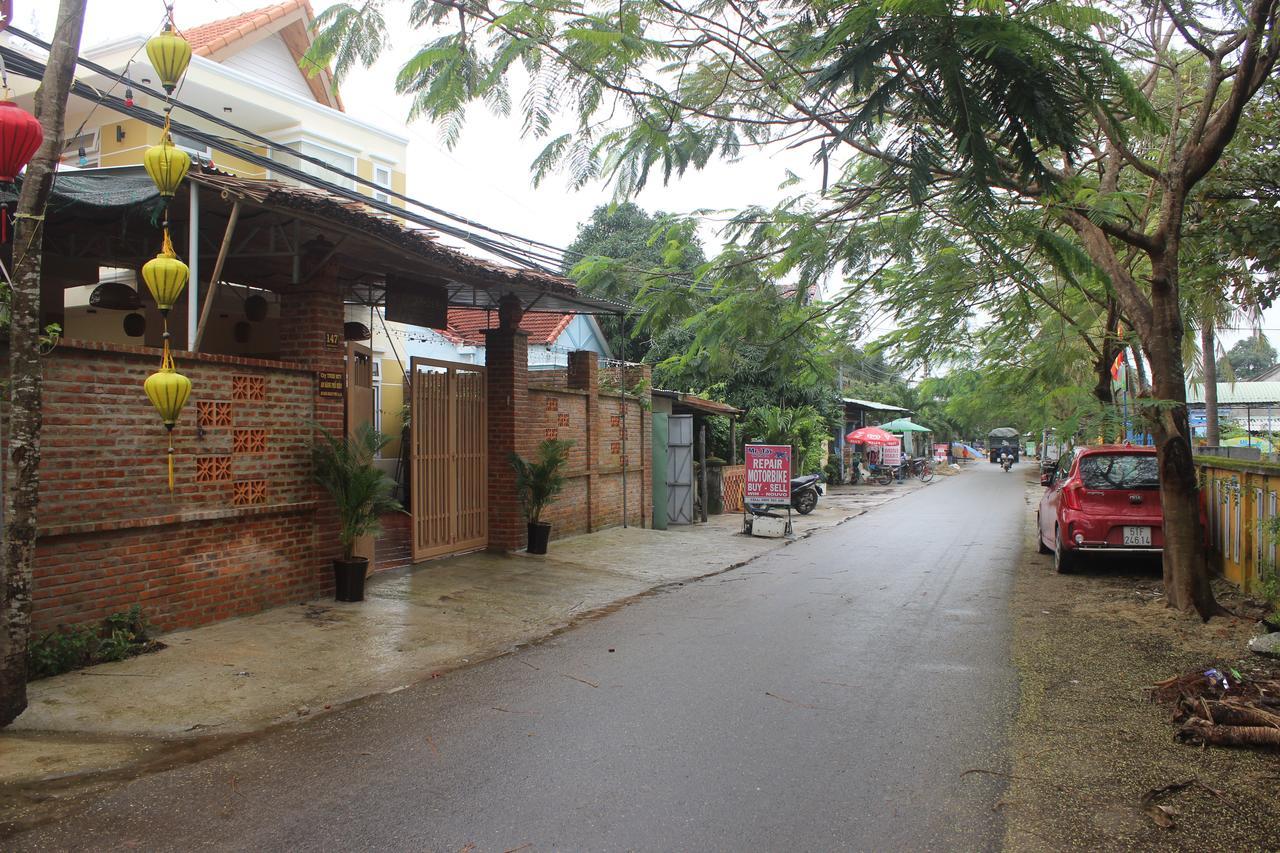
(244,529)
(593,421)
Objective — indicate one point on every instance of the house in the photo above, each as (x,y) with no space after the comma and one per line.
(230,522)
(1254,406)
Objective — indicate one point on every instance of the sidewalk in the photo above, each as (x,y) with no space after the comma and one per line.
(245,675)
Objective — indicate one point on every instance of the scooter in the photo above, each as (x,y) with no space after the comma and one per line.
(804,493)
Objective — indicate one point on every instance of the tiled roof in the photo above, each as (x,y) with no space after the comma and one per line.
(211,37)
(543,329)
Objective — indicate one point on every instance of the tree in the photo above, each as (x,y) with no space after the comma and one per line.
(620,250)
(967,110)
(22,478)
(1252,356)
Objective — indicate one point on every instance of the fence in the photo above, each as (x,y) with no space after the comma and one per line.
(1240,500)
(735,486)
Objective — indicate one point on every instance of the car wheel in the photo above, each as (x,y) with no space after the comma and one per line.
(1044,549)
(1064,561)
(806,501)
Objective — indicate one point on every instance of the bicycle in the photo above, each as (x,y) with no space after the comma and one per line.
(922,468)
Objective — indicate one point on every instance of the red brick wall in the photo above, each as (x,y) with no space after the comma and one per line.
(244,529)
(592,498)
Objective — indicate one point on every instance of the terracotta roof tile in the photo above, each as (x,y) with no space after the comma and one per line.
(542,329)
(209,38)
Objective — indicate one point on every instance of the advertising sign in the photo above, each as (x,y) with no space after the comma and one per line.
(891,454)
(768,473)
(940,452)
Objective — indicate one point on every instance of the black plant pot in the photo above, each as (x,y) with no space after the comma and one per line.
(348,578)
(539,534)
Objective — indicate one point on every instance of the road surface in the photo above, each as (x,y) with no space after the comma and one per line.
(828,696)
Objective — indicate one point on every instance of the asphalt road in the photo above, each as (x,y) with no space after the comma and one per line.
(828,696)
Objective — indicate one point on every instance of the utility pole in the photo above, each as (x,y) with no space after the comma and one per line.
(22,479)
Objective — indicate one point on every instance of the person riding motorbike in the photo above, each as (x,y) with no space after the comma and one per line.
(1006,460)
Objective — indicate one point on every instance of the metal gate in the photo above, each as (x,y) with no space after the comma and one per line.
(359,411)
(680,469)
(448,458)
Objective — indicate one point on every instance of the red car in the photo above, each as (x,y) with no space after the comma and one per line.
(1101,499)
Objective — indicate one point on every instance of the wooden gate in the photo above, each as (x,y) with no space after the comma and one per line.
(448,458)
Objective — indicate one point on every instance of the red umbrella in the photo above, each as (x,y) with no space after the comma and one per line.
(871,435)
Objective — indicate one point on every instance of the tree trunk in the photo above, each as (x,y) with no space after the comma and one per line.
(1186,570)
(22,480)
(1208,356)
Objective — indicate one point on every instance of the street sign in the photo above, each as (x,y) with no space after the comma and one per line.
(891,454)
(768,472)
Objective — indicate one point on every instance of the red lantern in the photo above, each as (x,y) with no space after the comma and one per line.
(20,136)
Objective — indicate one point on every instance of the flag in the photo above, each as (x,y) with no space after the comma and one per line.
(1117,368)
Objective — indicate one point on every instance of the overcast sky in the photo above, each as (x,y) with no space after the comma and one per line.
(486,176)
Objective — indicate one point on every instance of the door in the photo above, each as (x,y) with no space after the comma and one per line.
(448,458)
(359,411)
(680,469)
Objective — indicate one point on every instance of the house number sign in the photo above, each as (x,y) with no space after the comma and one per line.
(330,383)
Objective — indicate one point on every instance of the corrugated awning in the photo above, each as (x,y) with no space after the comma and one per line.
(690,404)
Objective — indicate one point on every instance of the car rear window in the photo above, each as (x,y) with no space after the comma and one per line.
(1120,471)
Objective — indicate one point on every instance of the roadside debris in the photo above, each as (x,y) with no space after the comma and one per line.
(1223,708)
(1266,644)
(1153,806)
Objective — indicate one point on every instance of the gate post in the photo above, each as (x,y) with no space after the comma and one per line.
(509,424)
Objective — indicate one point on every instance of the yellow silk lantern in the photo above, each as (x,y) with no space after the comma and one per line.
(168,390)
(166,277)
(170,54)
(167,164)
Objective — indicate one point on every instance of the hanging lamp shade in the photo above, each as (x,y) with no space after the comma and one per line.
(166,278)
(170,54)
(20,136)
(168,390)
(167,164)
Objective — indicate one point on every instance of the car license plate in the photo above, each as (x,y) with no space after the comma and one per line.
(1137,536)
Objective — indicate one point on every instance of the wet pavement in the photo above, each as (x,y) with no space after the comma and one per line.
(243,675)
(829,695)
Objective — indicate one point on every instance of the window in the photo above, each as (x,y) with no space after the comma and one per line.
(381,177)
(1120,471)
(81,151)
(330,156)
(197,149)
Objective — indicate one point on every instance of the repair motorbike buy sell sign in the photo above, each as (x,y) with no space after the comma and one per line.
(768,472)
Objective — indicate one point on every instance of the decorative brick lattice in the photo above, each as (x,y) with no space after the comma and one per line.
(250,441)
(552,404)
(615,421)
(210,414)
(564,419)
(552,434)
(249,388)
(213,469)
(616,448)
(248,492)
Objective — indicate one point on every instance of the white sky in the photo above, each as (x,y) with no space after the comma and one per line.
(486,176)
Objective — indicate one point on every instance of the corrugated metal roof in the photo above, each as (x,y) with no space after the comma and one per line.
(1238,393)
(870,404)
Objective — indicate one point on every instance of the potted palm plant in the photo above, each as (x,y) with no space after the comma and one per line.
(537,484)
(362,492)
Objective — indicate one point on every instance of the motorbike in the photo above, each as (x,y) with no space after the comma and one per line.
(1006,461)
(804,493)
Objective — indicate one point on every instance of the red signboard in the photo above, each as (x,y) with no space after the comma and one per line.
(768,472)
(892,454)
(940,452)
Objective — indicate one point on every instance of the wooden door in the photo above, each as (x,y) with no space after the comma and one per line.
(448,453)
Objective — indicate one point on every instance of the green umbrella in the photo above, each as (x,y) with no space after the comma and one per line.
(904,425)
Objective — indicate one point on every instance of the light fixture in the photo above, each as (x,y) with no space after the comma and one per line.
(20,136)
(84,158)
(167,164)
(166,278)
(119,133)
(170,54)
(128,96)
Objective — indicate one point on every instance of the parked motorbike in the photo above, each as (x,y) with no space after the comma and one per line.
(804,493)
